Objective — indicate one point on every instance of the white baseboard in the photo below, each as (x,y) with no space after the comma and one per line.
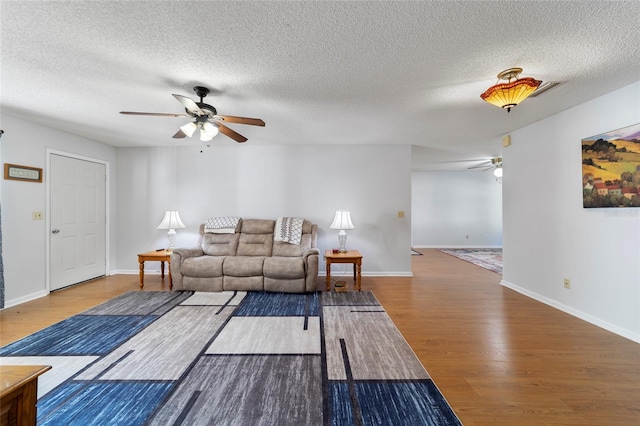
(457,246)
(23,299)
(575,312)
(320,274)
(136,272)
(367,274)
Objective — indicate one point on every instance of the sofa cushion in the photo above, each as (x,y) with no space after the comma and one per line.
(307,241)
(220,244)
(284,267)
(243,266)
(256,237)
(243,283)
(285,286)
(292,250)
(257,226)
(203,266)
(203,284)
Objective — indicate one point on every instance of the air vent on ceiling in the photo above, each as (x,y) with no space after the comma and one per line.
(547,85)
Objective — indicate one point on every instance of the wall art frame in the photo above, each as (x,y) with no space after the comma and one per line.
(611,169)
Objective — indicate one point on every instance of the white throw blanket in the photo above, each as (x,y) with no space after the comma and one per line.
(221,225)
(289,230)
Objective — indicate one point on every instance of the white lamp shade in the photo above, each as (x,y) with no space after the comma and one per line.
(171,220)
(208,131)
(342,220)
(498,172)
(189,128)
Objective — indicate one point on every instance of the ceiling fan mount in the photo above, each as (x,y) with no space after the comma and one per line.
(493,163)
(207,119)
(202,93)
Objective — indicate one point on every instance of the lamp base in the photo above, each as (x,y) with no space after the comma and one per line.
(171,236)
(342,240)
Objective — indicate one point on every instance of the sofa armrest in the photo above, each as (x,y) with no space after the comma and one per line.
(310,252)
(177,257)
(187,252)
(311,257)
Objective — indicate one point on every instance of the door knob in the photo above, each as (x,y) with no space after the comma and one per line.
(55,231)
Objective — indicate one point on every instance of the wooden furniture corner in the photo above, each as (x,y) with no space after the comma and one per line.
(19,393)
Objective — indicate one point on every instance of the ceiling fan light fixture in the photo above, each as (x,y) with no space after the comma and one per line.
(202,113)
(189,128)
(515,90)
(497,172)
(208,131)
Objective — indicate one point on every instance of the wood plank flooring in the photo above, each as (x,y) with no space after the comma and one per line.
(498,357)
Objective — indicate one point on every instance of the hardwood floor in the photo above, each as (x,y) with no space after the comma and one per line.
(498,357)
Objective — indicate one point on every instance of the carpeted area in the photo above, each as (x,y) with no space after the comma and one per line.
(489,258)
(232,358)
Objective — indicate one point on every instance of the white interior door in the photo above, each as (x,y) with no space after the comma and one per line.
(77,219)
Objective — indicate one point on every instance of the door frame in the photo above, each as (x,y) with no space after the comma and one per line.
(47,215)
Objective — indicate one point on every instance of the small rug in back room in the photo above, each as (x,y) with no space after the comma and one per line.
(488,258)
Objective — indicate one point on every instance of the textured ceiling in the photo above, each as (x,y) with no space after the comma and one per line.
(316,72)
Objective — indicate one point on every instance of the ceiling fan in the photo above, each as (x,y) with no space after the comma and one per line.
(494,163)
(206,118)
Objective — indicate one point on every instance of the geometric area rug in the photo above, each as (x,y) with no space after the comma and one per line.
(487,258)
(230,358)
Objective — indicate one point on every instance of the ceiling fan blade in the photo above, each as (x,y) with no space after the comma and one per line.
(241,120)
(481,166)
(155,114)
(179,134)
(231,133)
(460,161)
(189,104)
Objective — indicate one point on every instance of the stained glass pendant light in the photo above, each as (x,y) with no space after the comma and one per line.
(515,90)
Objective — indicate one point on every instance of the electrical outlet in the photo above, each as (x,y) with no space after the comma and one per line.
(567,283)
(36,215)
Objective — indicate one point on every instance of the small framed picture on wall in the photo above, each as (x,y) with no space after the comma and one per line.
(23,173)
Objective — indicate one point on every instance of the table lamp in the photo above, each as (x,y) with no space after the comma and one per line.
(342,221)
(171,221)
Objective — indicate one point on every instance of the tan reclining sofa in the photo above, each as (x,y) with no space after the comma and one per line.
(248,259)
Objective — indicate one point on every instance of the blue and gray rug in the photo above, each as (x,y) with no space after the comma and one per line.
(230,358)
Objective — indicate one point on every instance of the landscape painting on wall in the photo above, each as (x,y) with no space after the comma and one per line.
(611,169)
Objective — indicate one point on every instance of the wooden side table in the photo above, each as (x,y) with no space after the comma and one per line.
(350,256)
(155,256)
(19,393)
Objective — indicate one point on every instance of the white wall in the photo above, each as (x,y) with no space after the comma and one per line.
(23,239)
(456,209)
(373,182)
(549,236)
(310,181)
